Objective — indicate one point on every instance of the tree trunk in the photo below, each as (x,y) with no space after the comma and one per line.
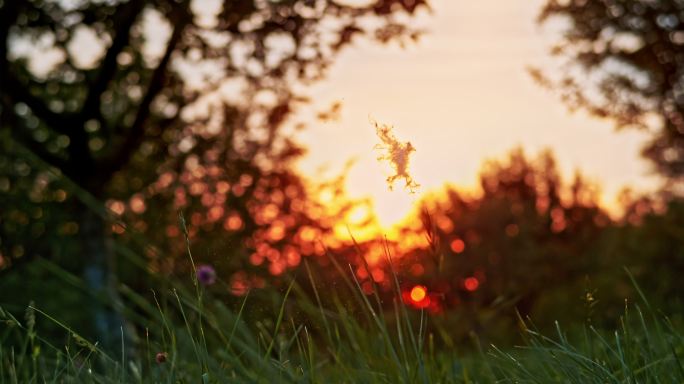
(100,277)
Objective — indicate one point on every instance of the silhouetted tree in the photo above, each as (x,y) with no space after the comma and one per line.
(128,97)
(526,238)
(625,61)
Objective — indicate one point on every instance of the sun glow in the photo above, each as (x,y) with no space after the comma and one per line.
(460,95)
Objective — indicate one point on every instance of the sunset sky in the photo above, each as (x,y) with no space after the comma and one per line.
(461,95)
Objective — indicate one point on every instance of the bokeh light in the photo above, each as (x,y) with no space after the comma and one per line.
(471,283)
(418,293)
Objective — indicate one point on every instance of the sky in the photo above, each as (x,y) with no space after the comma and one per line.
(460,96)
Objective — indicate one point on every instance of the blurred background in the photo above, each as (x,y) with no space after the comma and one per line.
(548,136)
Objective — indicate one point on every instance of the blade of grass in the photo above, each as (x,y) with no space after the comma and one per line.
(278,321)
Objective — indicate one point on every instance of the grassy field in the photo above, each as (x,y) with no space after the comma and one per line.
(186,335)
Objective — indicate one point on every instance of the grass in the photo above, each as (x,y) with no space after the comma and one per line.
(186,334)
(340,341)
(346,337)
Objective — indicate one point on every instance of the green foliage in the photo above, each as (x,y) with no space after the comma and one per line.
(306,332)
(189,336)
(644,348)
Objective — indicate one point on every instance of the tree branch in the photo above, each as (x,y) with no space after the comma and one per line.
(21,94)
(22,135)
(15,89)
(80,154)
(8,15)
(123,21)
(136,133)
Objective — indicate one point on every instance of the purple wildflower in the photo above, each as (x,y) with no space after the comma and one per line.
(206,274)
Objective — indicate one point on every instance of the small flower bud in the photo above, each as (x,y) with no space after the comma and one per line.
(161,357)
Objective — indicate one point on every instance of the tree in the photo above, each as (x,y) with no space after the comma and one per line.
(526,240)
(118,109)
(625,61)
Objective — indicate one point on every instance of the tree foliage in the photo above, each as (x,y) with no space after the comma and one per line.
(125,97)
(625,60)
(528,243)
(154,107)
